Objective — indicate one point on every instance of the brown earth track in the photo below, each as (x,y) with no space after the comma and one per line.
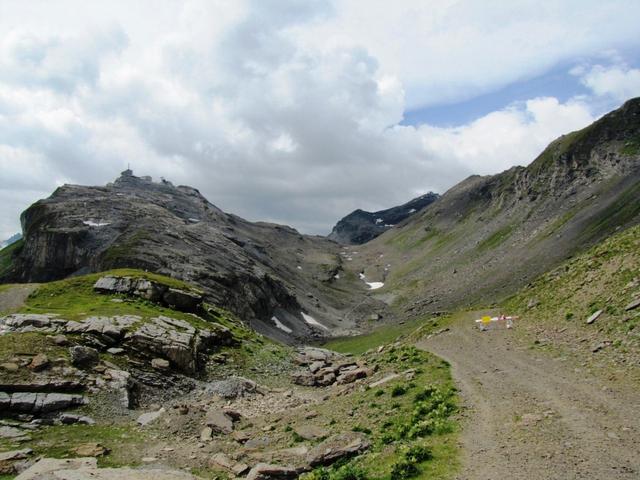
(530,416)
(13,298)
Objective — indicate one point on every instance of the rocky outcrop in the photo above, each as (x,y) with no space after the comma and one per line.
(359,226)
(84,468)
(177,341)
(174,340)
(337,447)
(247,268)
(489,236)
(37,403)
(174,298)
(9,460)
(324,367)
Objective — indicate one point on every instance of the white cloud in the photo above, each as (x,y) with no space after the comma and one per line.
(286,110)
(446,51)
(501,139)
(618,82)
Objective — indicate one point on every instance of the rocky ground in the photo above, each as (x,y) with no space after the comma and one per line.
(145,383)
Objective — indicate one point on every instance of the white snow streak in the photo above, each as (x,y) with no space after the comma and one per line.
(281,325)
(312,321)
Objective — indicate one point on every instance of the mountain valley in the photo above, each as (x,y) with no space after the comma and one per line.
(144,329)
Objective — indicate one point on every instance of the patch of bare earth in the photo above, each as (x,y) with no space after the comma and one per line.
(530,416)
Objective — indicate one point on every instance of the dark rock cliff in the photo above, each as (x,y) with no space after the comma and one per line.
(359,226)
(257,270)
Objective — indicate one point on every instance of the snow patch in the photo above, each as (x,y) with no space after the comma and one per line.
(299,267)
(194,220)
(372,285)
(413,210)
(281,325)
(312,321)
(91,223)
(337,276)
(379,220)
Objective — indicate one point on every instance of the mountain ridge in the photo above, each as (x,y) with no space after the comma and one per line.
(361,226)
(491,234)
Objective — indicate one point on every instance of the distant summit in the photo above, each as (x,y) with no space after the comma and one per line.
(359,226)
(11,240)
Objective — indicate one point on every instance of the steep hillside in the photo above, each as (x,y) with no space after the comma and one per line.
(359,226)
(10,240)
(281,282)
(589,305)
(488,236)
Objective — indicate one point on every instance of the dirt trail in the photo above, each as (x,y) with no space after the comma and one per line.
(14,297)
(530,416)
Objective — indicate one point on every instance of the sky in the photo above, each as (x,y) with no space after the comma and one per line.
(299,111)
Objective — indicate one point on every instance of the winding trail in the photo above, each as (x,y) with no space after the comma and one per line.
(530,416)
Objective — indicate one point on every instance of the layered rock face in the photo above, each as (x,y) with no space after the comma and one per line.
(359,226)
(255,270)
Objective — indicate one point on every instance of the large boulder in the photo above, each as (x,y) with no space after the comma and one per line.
(84,357)
(337,447)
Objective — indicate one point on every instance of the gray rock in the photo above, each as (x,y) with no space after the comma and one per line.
(39,362)
(337,447)
(311,432)
(594,317)
(160,364)
(233,387)
(5,401)
(219,421)
(108,329)
(315,366)
(147,418)
(84,357)
(351,376)
(9,459)
(11,432)
(86,469)
(182,300)
(265,471)
(206,434)
(633,305)
(306,379)
(177,341)
(70,419)
(222,460)
(172,297)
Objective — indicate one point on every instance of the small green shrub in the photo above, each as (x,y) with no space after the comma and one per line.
(398,390)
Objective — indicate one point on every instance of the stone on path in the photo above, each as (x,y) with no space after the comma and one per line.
(147,418)
(594,317)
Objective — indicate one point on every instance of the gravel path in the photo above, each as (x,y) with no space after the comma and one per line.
(530,416)
(13,298)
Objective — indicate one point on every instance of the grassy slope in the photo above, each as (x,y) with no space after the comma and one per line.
(6,255)
(378,464)
(607,278)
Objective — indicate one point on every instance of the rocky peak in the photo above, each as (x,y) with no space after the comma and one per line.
(361,226)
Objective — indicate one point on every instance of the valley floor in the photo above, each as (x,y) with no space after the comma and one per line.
(531,416)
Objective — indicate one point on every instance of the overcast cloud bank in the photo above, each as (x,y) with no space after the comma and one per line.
(290,111)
